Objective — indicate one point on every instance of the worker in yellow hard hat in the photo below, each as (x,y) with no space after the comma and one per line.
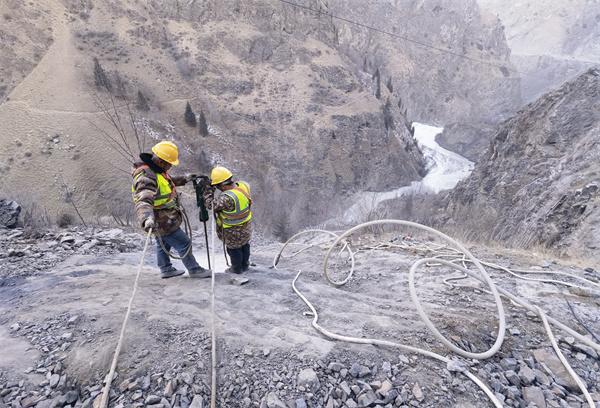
(157,208)
(233,209)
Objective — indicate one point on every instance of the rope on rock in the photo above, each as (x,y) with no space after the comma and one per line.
(113,366)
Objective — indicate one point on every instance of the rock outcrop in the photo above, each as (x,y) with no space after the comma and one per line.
(538,181)
(468,140)
(9,213)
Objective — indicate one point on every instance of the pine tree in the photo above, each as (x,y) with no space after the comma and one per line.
(202,125)
(189,115)
(377,78)
(120,86)
(390,85)
(388,118)
(142,102)
(100,76)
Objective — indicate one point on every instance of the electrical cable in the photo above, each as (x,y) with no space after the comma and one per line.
(401,37)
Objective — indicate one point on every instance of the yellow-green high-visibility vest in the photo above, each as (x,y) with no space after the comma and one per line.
(242,213)
(166,195)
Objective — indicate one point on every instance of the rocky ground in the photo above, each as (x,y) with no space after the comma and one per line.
(61,313)
(26,252)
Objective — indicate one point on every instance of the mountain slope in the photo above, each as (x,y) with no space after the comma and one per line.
(538,183)
(551,41)
(307,109)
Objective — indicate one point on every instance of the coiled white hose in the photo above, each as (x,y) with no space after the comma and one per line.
(385,343)
(458,254)
(376,342)
(501,318)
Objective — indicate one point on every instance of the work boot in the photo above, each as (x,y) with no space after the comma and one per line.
(232,269)
(246,267)
(171,273)
(200,273)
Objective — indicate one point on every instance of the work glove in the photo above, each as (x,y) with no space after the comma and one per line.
(190,177)
(205,181)
(148,223)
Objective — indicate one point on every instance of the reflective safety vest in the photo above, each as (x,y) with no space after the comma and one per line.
(166,195)
(242,213)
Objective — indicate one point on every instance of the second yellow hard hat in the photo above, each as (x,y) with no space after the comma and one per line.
(219,174)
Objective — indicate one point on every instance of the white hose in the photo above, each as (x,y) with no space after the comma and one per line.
(415,298)
(375,342)
(311,231)
(501,317)
(558,282)
(564,361)
(454,255)
(385,343)
(461,255)
(522,303)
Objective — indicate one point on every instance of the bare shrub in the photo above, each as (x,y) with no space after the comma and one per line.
(64,220)
(69,197)
(34,216)
(122,212)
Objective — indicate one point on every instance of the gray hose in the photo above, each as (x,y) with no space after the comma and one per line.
(188,231)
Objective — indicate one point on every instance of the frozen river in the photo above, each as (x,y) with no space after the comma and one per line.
(444,170)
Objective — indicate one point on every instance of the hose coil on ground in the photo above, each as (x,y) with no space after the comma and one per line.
(460,254)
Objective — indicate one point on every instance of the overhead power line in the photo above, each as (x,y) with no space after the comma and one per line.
(400,37)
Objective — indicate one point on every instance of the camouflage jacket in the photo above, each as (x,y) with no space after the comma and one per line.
(234,237)
(145,189)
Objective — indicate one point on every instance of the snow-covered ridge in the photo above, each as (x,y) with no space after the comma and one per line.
(444,170)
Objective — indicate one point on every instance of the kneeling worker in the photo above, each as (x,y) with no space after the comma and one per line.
(157,207)
(233,216)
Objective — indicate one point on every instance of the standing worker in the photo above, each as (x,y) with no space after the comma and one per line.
(233,216)
(157,207)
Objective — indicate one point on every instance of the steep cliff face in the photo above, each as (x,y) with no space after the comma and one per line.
(551,41)
(538,183)
(436,87)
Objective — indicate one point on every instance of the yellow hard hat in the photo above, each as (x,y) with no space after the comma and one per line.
(219,174)
(167,151)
